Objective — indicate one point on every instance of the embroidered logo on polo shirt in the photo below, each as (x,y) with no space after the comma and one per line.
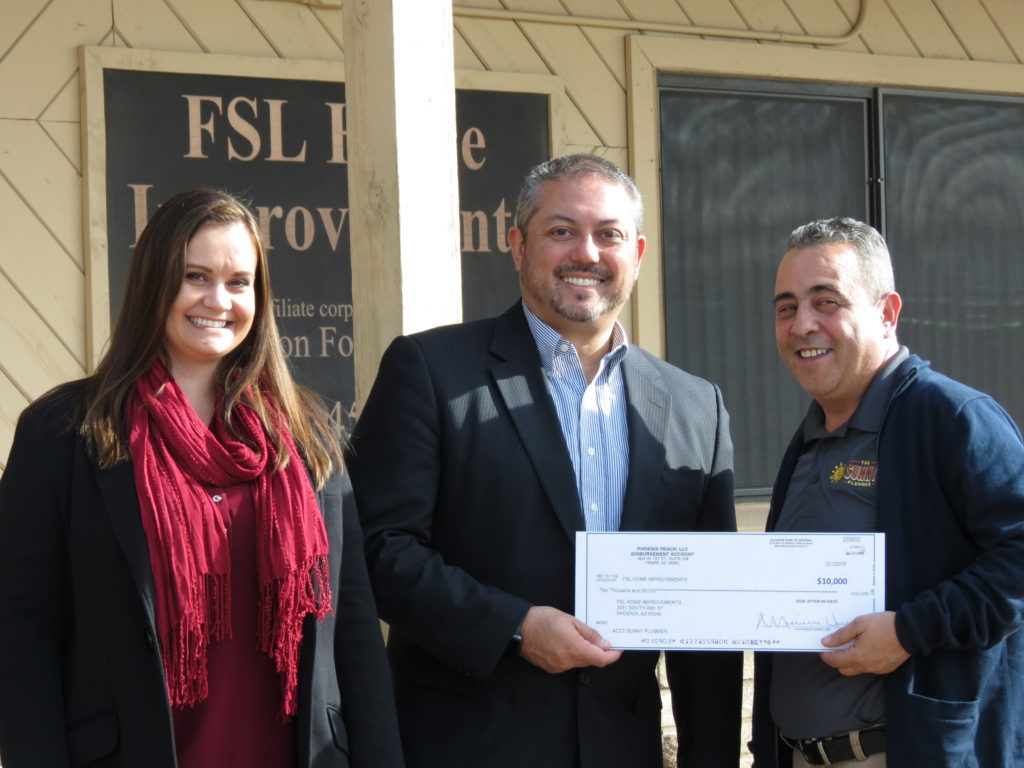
(861,474)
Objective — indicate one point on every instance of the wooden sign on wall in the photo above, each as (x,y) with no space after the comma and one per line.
(274,133)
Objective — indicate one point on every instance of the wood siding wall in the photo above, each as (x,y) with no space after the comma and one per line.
(42,269)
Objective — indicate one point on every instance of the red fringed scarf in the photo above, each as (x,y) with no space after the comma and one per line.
(176,457)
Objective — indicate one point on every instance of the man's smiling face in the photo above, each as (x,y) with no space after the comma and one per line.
(831,334)
(579,259)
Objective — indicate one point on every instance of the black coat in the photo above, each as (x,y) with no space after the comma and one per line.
(81,680)
(469,506)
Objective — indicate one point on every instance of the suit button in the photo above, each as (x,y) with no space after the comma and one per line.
(151,641)
(584,678)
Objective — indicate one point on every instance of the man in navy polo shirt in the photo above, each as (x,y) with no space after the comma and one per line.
(890,445)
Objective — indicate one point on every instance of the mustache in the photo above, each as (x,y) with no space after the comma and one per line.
(589,269)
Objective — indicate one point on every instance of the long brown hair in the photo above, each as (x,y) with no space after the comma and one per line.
(254,373)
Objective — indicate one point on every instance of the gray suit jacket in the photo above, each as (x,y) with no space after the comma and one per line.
(469,507)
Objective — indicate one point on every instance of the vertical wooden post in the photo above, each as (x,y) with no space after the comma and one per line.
(402,173)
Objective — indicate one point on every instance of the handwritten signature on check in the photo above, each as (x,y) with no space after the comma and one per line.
(781,622)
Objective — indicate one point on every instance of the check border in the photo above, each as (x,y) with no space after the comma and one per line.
(796,613)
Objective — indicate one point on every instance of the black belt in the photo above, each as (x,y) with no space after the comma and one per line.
(855,745)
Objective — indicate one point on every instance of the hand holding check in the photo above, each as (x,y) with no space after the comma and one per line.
(874,648)
(555,641)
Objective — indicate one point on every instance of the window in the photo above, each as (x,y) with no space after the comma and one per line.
(745,162)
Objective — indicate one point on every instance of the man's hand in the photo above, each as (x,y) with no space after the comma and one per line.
(875,649)
(555,641)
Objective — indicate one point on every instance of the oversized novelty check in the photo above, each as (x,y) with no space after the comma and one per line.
(726,591)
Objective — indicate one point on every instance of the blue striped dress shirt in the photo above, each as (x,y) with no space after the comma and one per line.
(593,420)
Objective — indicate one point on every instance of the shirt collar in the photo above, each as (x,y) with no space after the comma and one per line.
(870,411)
(550,343)
(869,414)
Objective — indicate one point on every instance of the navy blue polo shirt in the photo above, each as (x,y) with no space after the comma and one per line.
(833,490)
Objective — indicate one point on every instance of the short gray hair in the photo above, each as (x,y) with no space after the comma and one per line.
(872,253)
(567,167)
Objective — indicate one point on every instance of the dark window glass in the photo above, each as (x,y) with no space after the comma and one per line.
(741,170)
(954,212)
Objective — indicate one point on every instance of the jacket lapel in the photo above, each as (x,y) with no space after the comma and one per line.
(648,415)
(520,380)
(117,487)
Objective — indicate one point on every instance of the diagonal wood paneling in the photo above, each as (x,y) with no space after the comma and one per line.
(975,30)
(35,263)
(501,46)
(818,18)
(926,27)
(768,14)
(882,33)
(67,138)
(1008,16)
(465,57)
(707,14)
(152,24)
(295,31)
(42,296)
(46,180)
(332,23)
(656,10)
(221,27)
(60,121)
(65,105)
(608,44)
(17,16)
(591,86)
(33,356)
(48,50)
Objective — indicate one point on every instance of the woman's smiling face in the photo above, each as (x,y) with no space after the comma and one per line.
(214,309)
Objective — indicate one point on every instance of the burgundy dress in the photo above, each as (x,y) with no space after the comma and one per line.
(238,725)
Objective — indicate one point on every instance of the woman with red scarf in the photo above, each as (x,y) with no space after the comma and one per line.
(182,582)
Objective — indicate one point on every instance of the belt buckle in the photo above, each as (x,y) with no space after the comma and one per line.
(806,748)
(855,746)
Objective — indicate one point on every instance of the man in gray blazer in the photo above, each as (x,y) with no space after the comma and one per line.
(484,447)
